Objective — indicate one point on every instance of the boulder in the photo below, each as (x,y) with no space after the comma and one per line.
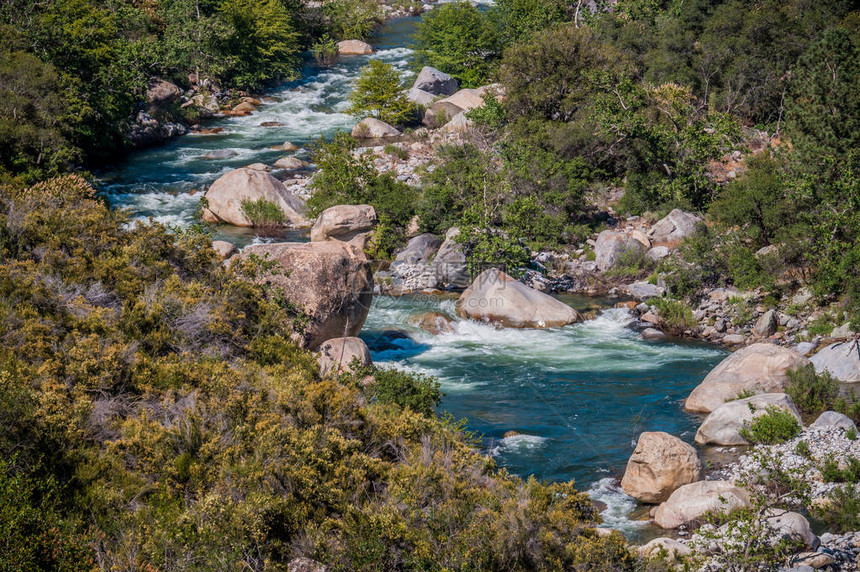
(652,334)
(440,113)
(220,154)
(458,124)
(658,252)
(290,163)
(419,250)
(329,282)
(642,290)
(258,167)
(766,325)
(673,549)
(205,104)
(160,92)
(435,82)
(723,425)
(226,196)
(435,323)
(841,359)
(336,356)
(612,244)
(757,368)
(674,227)
(791,526)
(354,48)
(834,420)
(243,109)
(660,464)
(343,222)
(372,128)
(692,501)
(286,146)
(497,298)
(466,99)
(449,265)
(224,249)
(420,97)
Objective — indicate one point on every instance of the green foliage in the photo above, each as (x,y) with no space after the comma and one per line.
(157,415)
(325,50)
(379,93)
(262,213)
(518,19)
(632,264)
(459,40)
(811,392)
(352,19)
(263,41)
(677,315)
(774,426)
(851,434)
(832,471)
(841,513)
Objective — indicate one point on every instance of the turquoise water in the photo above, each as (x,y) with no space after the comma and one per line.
(578,396)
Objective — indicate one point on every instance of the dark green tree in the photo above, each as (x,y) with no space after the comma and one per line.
(379,93)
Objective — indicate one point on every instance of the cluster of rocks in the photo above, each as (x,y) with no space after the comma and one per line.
(427,263)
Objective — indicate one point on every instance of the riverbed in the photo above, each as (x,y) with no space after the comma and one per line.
(575,398)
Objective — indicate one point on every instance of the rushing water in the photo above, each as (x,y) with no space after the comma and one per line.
(577,396)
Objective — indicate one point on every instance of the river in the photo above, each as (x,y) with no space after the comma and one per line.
(577,396)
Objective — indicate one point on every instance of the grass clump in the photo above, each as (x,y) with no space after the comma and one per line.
(775,426)
(263,213)
(677,315)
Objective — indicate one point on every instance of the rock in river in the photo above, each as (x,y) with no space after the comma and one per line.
(226,196)
(330,282)
(497,298)
(343,222)
(660,464)
(758,368)
(723,426)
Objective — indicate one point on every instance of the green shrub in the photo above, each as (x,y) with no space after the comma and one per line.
(325,50)
(262,213)
(398,152)
(811,392)
(352,19)
(677,315)
(775,426)
(632,264)
(378,93)
(832,473)
(851,434)
(802,449)
(842,511)
(413,391)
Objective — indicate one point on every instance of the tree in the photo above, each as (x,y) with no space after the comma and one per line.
(263,44)
(459,40)
(518,19)
(379,93)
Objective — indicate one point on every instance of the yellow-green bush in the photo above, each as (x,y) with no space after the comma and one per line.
(160,419)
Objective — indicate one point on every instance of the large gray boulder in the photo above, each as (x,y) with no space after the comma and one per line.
(339,354)
(440,113)
(330,282)
(674,227)
(790,526)
(449,265)
(160,93)
(419,250)
(420,97)
(692,501)
(225,198)
(343,222)
(466,99)
(660,464)
(757,368)
(723,425)
(834,420)
(497,298)
(611,245)
(674,550)
(767,324)
(435,82)
(372,128)
(354,48)
(841,359)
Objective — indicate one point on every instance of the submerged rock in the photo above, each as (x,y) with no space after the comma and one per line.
(435,323)
(758,368)
(290,163)
(330,282)
(660,464)
(497,298)
(226,196)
